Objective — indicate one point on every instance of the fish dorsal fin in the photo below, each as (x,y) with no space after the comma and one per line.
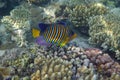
(43,26)
(61,23)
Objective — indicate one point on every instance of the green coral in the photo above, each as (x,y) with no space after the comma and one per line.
(105,31)
(80,14)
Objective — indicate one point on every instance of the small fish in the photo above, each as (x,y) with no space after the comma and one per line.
(57,33)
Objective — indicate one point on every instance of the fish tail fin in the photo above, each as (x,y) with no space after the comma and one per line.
(35,33)
(73,36)
(68,39)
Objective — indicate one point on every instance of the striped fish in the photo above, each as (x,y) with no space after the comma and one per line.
(57,33)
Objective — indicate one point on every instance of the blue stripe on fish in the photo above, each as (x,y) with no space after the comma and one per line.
(63,35)
(52,33)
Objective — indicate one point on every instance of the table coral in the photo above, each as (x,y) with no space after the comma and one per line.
(105,32)
(80,14)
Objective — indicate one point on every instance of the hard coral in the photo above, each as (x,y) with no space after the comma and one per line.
(54,68)
(80,14)
(17,24)
(105,32)
(104,63)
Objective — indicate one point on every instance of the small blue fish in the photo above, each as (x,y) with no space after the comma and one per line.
(57,33)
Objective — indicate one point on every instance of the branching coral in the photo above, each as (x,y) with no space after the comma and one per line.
(54,68)
(104,63)
(18,23)
(70,63)
(105,32)
(79,14)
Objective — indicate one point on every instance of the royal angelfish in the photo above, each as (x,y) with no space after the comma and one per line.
(57,33)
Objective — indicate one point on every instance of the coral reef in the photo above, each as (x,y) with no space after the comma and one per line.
(38,2)
(67,63)
(104,63)
(21,59)
(37,59)
(105,32)
(54,68)
(18,24)
(80,14)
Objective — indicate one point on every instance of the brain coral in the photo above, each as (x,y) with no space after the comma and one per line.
(105,32)
(79,14)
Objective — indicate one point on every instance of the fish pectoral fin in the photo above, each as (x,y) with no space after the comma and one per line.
(35,33)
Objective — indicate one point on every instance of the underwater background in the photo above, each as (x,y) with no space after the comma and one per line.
(93,55)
